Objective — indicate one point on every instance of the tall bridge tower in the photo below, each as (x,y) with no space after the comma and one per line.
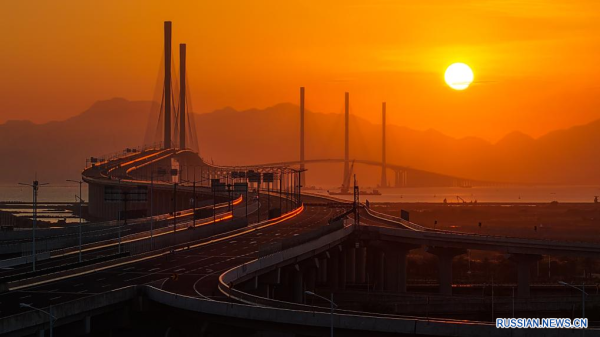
(302,173)
(167,87)
(182,110)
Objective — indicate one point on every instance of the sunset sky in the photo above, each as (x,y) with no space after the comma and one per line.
(536,63)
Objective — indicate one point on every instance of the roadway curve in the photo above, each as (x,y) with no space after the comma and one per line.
(198,268)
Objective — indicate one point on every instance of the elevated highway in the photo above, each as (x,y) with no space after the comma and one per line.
(195,277)
(404,176)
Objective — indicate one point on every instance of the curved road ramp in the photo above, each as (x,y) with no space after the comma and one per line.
(149,311)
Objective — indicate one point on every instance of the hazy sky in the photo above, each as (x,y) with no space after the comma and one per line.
(535,62)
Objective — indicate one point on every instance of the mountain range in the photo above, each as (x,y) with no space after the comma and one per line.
(57,150)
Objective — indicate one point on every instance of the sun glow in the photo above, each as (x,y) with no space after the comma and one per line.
(458,76)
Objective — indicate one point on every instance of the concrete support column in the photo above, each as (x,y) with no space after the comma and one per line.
(391,271)
(333,270)
(524,263)
(361,262)
(87,325)
(370,266)
(402,271)
(264,289)
(297,285)
(395,265)
(266,283)
(322,273)
(342,268)
(445,257)
(311,278)
(379,262)
(351,264)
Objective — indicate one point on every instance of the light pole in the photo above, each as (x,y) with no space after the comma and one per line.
(194,195)
(160,172)
(513,302)
(35,186)
(49,313)
(174,208)
(280,193)
(151,208)
(80,212)
(583,293)
(333,305)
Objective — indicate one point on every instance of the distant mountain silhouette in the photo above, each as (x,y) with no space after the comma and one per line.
(57,150)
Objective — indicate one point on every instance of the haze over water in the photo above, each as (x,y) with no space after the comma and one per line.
(59,192)
(516,194)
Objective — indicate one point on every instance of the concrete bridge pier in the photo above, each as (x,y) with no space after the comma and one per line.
(361,263)
(87,325)
(333,270)
(311,269)
(375,267)
(395,266)
(400,178)
(323,267)
(350,262)
(297,284)
(343,267)
(524,263)
(445,257)
(268,282)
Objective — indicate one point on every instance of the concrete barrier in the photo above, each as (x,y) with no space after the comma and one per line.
(297,320)
(32,321)
(23,260)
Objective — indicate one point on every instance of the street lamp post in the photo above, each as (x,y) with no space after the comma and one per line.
(35,186)
(513,302)
(228,185)
(151,209)
(49,313)
(280,192)
(583,293)
(174,208)
(214,190)
(194,200)
(194,196)
(80,212)
(333,305)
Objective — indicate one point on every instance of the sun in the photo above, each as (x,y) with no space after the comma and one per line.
(458,76)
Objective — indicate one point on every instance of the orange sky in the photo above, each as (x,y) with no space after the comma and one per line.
(535,62)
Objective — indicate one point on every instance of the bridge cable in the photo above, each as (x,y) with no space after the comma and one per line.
(193,134)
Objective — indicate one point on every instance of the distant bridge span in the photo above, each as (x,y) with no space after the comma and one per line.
(405,176)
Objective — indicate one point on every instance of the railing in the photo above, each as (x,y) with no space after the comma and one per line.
(119,154)
(400,221)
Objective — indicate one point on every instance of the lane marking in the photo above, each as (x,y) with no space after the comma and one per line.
(256,228)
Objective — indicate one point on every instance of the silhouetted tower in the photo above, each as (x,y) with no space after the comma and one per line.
(182,111)
(383,161)
(167,86)
(346,140)
(302,173)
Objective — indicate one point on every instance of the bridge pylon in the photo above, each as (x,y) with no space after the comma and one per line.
(167,87)
(302,168)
